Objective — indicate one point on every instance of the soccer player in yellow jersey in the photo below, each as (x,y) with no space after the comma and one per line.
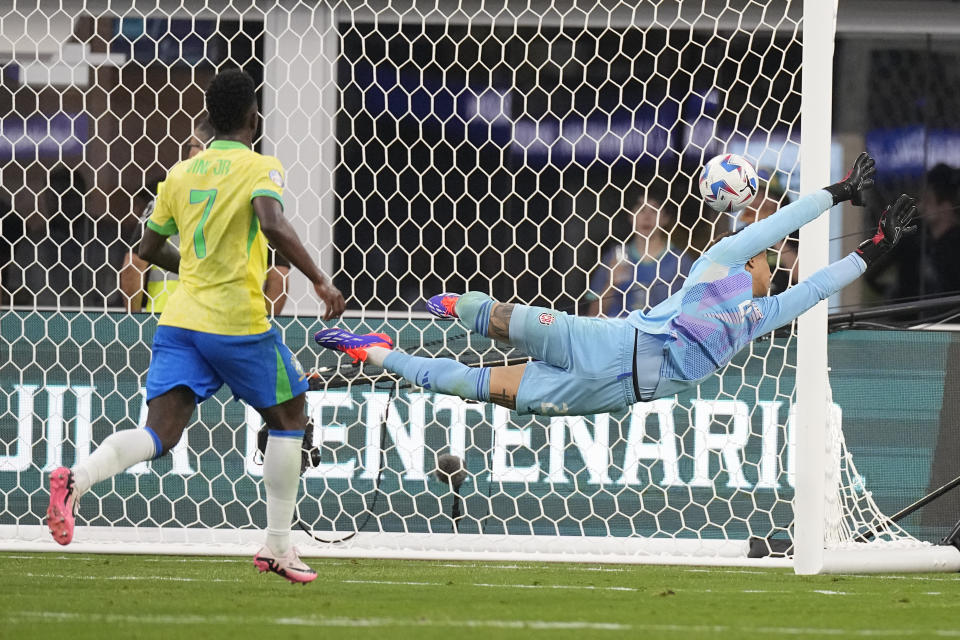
(225,203)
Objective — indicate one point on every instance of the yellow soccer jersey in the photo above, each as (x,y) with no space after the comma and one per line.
(223,254)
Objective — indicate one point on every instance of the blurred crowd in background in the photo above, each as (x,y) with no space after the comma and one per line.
(438,193)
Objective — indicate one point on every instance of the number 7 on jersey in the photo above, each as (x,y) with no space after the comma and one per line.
(198,196)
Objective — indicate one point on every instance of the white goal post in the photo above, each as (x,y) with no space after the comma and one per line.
(430,146)
(812,383)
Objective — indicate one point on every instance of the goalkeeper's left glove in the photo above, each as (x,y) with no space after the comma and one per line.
(895,222)
(857,181)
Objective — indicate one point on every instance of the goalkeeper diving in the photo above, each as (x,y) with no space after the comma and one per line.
(592,365)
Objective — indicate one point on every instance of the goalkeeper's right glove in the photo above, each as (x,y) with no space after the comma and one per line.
(857,180)
(895,222)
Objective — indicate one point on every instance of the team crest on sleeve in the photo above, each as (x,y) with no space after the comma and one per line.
(546,318)
(276,177)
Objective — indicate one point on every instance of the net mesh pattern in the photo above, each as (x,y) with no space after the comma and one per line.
(505,148)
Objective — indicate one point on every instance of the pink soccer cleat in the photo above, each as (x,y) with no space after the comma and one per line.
(60,512)
(443,305)
(352,344)
(288,565)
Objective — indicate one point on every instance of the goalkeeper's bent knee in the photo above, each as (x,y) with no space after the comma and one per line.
(473,309)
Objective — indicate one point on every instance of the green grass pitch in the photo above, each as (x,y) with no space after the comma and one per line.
(113,596)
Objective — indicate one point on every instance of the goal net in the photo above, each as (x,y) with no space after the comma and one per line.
(536,151)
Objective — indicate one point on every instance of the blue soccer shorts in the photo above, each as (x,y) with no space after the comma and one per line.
(582,365)
(259,369)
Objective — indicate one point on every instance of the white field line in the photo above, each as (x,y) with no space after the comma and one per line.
(501,586)
(123,578)
(309,621)
(327,562)
(902,577)
(555,586)
(401,583)
(474,565)
(35,617)
(716,570)
(80,558)
(564,567)
(866,576)
(395,583)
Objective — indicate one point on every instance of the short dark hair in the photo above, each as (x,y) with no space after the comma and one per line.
(944,182)
(229,97)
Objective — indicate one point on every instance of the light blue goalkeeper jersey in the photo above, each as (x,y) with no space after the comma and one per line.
(714,315)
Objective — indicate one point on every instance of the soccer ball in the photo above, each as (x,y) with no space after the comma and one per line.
(728,183)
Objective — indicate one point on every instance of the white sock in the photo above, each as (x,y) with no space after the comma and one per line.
(281,479)
(376,355)
(120,450)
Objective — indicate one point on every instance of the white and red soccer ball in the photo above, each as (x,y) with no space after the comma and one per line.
(728,183)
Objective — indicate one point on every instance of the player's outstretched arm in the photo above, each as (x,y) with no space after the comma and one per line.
(155,249)
(757,237)
(895,222)
(284,239)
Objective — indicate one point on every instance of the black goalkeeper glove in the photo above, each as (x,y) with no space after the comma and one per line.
(895,222)
(857,180)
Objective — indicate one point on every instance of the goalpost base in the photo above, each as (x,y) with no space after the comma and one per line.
(877,557)
(883,558)
(931,559)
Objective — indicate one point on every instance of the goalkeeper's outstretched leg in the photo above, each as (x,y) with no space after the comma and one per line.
(478,311)
(543,334)
(581,365)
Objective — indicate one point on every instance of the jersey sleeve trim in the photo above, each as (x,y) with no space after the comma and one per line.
(266,193)
(167,229)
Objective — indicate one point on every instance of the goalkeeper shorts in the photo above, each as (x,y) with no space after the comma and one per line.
(582,365)
(259,369)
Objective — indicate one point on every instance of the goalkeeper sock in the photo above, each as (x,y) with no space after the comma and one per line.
(119,451)
(473,309)
(376,355)
(442,375)
(281,479)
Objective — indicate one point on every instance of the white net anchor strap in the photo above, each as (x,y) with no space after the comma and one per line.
(853,518)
